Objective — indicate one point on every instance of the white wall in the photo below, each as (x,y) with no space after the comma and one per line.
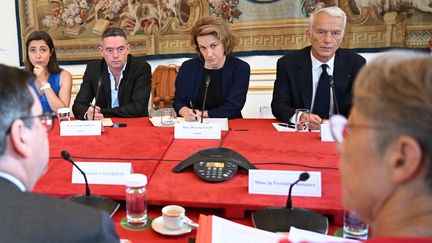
(9,55)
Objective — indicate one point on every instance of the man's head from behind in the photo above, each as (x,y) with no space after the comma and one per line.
(114,48)
(23,138)
(385,156)
(326,31)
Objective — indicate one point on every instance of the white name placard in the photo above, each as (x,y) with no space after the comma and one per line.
(325,132)
(80,128)
(277,182)
(222,121)
(106,173)
(197,130)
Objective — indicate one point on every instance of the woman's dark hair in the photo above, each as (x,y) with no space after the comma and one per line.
(53,66)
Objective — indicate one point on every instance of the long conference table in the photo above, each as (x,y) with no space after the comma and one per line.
(153,151)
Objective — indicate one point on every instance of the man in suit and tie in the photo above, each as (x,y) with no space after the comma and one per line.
(125,86)
(24,155)
(303,77)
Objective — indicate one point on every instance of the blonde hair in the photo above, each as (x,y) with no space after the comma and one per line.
(395,91)
(216,26)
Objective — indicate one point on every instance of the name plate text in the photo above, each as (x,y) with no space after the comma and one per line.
(80,128)
(196,130)
(105,173)
(278,182)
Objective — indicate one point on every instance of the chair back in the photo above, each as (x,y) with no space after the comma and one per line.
(163,85)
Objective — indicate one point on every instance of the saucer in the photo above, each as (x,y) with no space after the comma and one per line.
(157,225)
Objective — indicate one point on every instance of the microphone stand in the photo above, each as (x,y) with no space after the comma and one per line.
(207,82)
(97,95)
(331,80)
(95,201)
(280,219)
(303,177)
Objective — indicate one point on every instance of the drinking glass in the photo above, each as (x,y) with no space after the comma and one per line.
(302,117)
(354,227)
(63,114)
(167,116)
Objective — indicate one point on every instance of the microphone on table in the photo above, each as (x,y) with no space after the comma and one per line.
(66,156)
(331,81)
(303,177)
(207,82)
(280,219)
(95,201)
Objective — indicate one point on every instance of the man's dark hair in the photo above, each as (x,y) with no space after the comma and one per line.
(16,100)
(113,31)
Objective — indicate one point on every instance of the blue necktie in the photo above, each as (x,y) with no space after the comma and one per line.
(322,97)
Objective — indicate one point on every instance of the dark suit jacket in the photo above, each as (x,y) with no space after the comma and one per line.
(31,217)
(133,93)
(235,83)
(293,85)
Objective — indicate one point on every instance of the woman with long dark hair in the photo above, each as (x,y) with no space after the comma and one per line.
(53,85)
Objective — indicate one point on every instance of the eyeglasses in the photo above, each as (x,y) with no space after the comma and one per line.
(340,128)
(47,119)
(120,50)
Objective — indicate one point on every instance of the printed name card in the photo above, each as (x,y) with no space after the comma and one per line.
(80,128)
(325,132)
(105,173)
(195,130)
(278,182)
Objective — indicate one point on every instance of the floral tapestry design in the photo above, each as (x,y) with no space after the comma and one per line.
(227,9)
(157,28)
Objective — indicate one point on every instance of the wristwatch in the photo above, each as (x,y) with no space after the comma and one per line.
(45,86)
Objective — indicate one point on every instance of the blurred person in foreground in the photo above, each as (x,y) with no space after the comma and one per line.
(125,86)
(301,82)
(386,148)
(52,84)
(24,155)
(228,76)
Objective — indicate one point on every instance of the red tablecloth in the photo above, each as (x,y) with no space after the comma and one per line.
(153,151)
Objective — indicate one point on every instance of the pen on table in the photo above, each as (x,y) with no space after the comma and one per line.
(193,109)
(286,125)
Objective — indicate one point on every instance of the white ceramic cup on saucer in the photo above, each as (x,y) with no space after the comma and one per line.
(173,216)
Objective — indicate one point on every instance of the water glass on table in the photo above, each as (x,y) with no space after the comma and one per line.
(136,199)
(168,116)
(302,117)
(265,112)
(354,227)
(63,114)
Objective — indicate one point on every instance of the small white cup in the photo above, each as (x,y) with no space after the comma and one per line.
(63,114)
(173,216)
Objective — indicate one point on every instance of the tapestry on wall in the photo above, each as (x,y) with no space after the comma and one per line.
(161,28)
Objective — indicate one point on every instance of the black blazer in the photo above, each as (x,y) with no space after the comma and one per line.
(133,93)
(235,83)
(31,217)
(293,85)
